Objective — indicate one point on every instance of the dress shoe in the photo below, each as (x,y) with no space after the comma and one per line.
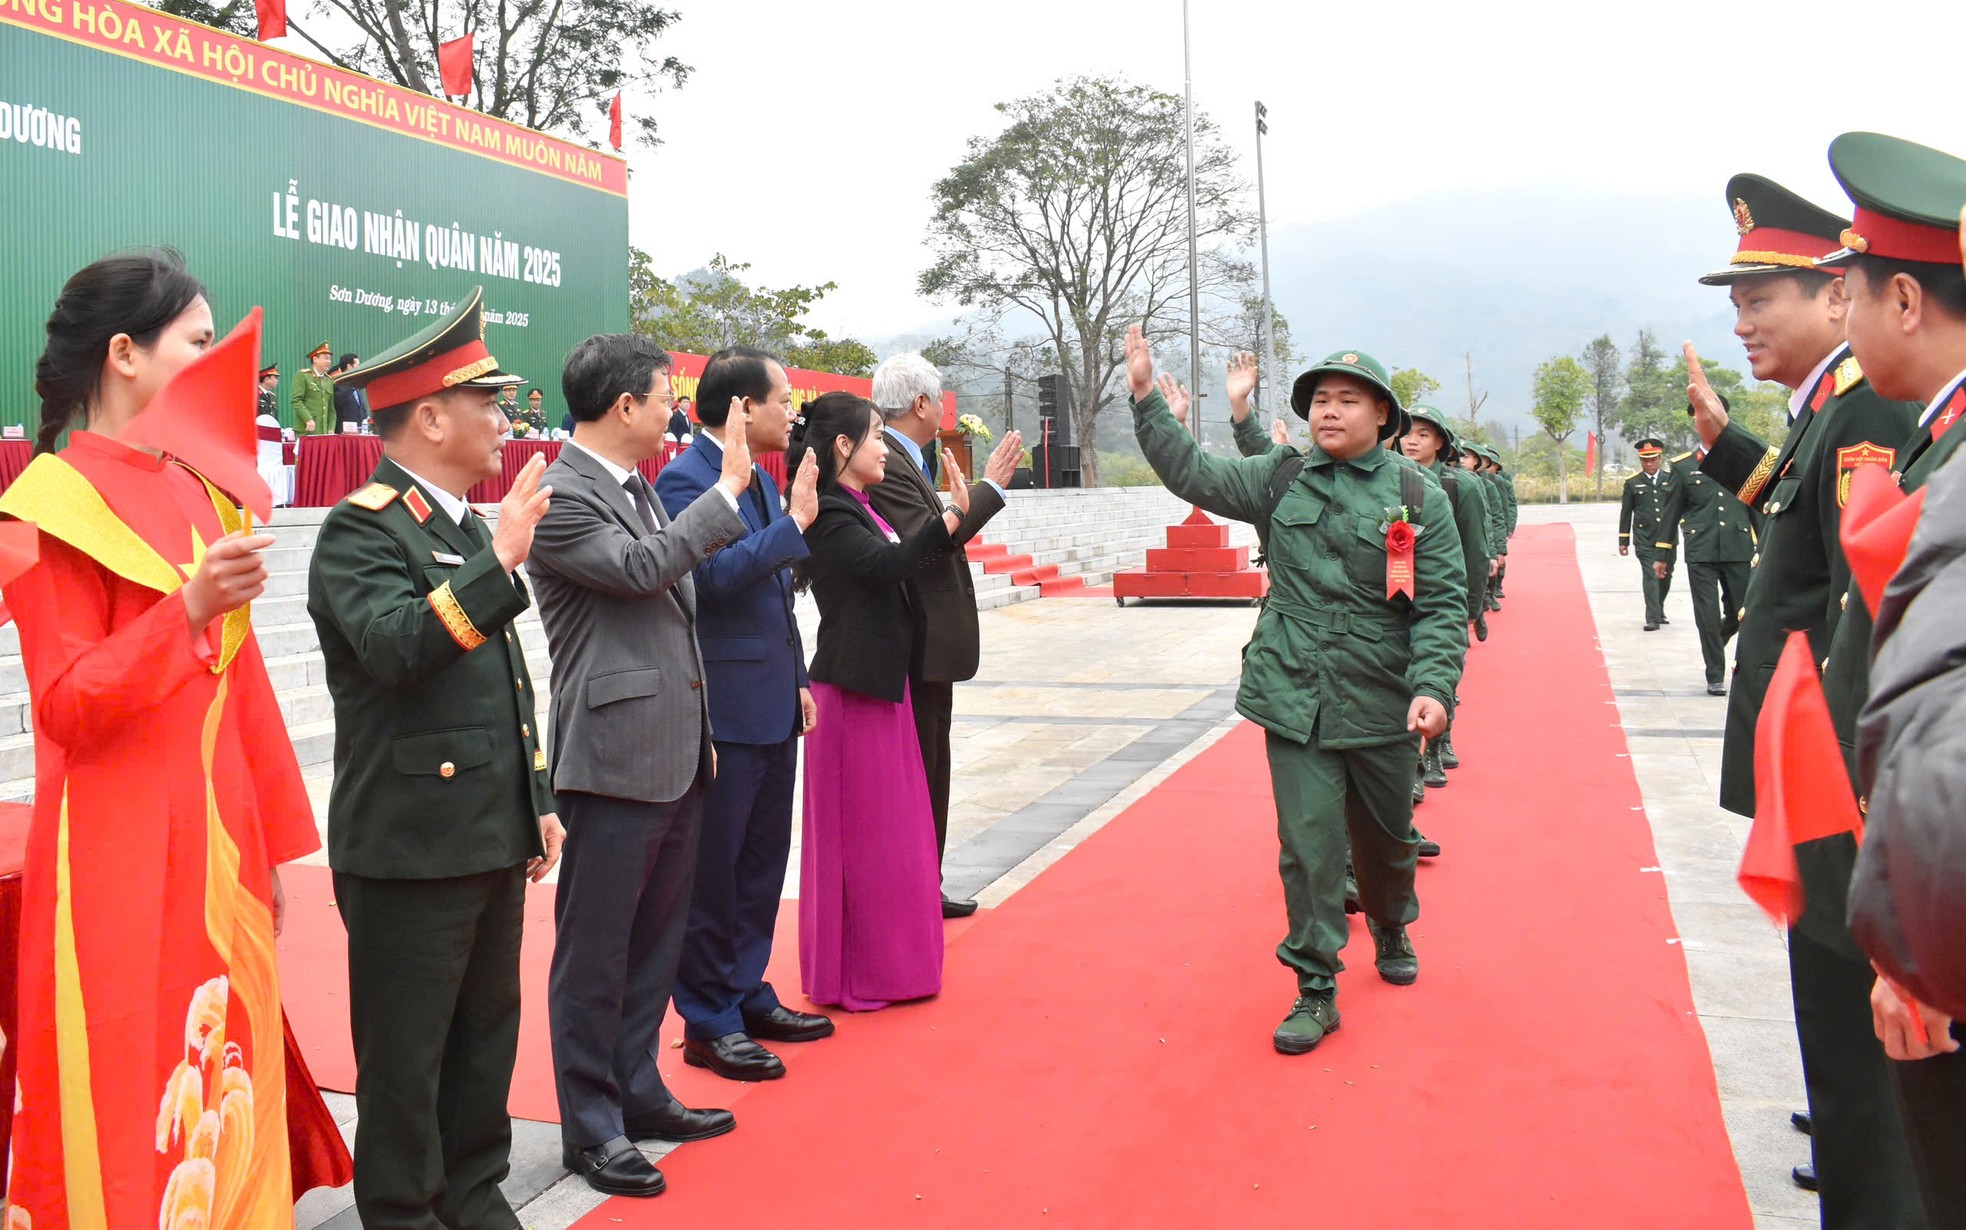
(1665,619)
(1716,689)
(1801,1122)
(734,1057)
(1393,954)
(953,908)
(1651,627)
(616,1168)
(1481,627)
(1314,1015)
(677,1124)
(1428,849)
(1448,760)
(782,1024)
(1805,1177)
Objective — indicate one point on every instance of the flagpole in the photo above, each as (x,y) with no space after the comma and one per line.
(1194,269)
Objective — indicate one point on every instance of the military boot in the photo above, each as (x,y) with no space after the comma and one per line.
(1351,894)
(1448,760)
(1419,787)
(1393,954)
(1431,771)
(1481,627)
(1314,1015)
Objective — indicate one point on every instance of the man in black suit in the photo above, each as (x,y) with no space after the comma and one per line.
(632,754)
(350,412)
(908,391)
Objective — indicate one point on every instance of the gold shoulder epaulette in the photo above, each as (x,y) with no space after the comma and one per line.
(375,497)
(1848,373)
(1685,456)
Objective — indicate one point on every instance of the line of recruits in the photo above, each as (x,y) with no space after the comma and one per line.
(1384,558)
(1666,500)
(1864,319)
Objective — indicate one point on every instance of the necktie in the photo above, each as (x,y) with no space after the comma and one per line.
(758,497)
(929,458)
(640,500)
(474,530)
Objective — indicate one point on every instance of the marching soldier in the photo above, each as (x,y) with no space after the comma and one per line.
(313,394)
(441,808)
(1649,495)
(1432,444)
(1355,653)
(1511,512)
(1790,316)
(1719,540)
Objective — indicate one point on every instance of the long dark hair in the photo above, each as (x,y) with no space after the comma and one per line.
(137,293)
(827,418)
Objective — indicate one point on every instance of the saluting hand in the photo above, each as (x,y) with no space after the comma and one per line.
(958,485)
(1176,395)
(1709,416)
(804,507)
(232,574)
(552,835)
(1002,466)
(519,513)
(736,476)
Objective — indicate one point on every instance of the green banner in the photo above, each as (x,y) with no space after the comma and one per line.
(350,222)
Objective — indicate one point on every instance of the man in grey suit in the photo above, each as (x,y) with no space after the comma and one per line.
(631,753)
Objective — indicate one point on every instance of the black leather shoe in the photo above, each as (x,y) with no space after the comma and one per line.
(782,1024)
(734,1057)
(1801,1122)
(952,908)
(1716,689)
(1481,627)
(1805,1177)
(1351,895)
(1428,849)
(1650,627)
(677,1124)
(616,1168)
(1665,619)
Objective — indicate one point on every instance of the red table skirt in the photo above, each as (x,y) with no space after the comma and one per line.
(14,821)
(14,456)
(330,467)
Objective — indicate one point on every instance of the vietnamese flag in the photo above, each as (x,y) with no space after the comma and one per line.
(454,63)
(614,121)
(272,18)
(1590,454)
(1801,790)
(205,416)
(1876,530)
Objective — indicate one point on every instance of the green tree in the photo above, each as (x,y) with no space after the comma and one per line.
(1413,386)
(551,66)
(1562,386)
(1601,361)
(705,311)
(1652,405)
(1760,406)
(1076,213)
(234,17)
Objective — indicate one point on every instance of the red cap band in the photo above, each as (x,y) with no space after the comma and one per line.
(1874,234)
(1768,245)
(431,376)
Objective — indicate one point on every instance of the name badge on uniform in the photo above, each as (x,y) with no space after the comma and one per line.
(445,557)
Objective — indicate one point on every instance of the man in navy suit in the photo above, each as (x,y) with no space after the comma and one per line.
(755,673)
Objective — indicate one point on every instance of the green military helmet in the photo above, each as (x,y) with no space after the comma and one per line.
(1361,366)
(1451,444)
(1908,198)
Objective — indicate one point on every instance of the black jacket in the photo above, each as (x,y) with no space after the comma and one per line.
(871,620)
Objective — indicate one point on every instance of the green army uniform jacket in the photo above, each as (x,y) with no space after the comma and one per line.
(1251,440)
(1332,658)
(1799,582)
(313,399)
(1472,522)
(1644,522)
(1714,525)
(1498,512)
(1512,506)
(1826,865)
(438,767)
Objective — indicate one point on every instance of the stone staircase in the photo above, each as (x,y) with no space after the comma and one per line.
(1043,541)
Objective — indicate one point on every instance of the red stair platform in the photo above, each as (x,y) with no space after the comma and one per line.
(1197,562)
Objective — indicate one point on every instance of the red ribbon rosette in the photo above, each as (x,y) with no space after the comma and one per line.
(1399,559)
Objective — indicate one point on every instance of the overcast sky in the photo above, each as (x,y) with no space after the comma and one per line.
(808,137)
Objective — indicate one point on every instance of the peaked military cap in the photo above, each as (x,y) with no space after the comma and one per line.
(1649,446)
(323,348)
(271,369)
(1908,198)
(450,354)
(1780,231)
(1359,365)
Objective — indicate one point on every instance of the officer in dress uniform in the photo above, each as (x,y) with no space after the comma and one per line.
(1649,495)
(269,398)
(1902,247)
(1348,662)
(1791,317)
(313,394)
(441,808)
(1718,533)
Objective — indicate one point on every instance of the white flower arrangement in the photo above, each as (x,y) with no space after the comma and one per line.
(973,427)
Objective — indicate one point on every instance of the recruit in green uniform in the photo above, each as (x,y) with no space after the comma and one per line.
(1717,531)
(1790,317)
(1431,443)
(1346,668)
(1643,526)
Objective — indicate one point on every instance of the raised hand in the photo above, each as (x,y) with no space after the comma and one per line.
(1176,395)
(804,505)
(1709,416)
(736,474)
(1280,431)
(232,574)
(519,514)
(958,485)
(1242,383)
(1002,466)
(1139,363)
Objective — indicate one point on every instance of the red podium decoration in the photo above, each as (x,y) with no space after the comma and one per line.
(1197,562)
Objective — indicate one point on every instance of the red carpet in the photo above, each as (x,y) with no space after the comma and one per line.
(1101,1054)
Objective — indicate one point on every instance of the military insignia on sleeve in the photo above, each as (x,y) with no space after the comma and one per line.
(1848,374)
(1743,220)
(418,506)
(1849,459)
(375,497)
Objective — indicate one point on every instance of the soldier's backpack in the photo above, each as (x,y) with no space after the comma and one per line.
(1412,493)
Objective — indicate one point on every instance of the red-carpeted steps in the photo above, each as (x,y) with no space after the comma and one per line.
(1100,1053)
